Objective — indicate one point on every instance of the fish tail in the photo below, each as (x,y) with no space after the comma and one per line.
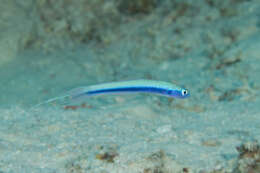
(73,96)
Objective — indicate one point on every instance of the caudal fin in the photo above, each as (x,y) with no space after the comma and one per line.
(71,97)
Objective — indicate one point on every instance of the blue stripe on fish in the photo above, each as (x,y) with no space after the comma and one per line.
(134,86)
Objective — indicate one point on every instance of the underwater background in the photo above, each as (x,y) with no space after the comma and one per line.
(210,47)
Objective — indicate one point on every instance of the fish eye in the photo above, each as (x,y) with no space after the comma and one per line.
(184,92)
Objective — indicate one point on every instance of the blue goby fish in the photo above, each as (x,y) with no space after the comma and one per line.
(133,86)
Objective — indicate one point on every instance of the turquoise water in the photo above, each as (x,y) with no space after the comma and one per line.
(208,47)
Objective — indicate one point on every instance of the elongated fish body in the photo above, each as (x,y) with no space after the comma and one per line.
(134,86)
